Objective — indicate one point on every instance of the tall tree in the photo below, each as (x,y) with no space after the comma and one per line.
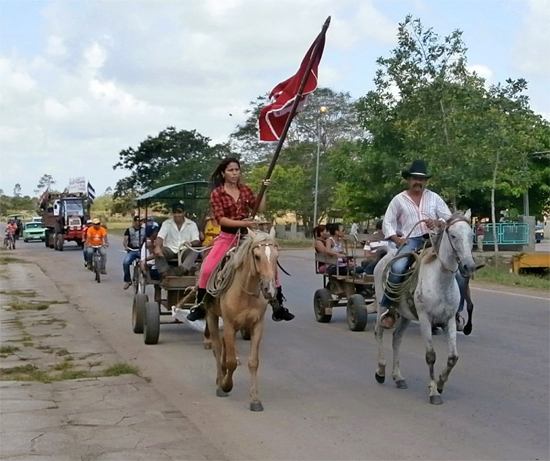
(17,190)
(44,183)
(170,157)
(338,123)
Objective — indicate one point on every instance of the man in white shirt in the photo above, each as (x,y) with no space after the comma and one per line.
(173,233)
(401,218)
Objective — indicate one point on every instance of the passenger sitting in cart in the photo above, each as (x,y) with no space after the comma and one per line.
(321,237)
(173,233)
(148,258)
(335,247)
(374,249)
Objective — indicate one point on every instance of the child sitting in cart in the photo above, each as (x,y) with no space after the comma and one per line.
(148,258)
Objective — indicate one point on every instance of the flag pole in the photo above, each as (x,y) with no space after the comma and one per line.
(293,109)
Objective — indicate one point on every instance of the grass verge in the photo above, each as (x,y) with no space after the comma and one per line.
(7,349)
(17,305)
(11,259)
(503,276)
(20,293)
(62,372)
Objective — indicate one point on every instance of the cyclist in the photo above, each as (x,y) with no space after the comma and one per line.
(133,238)
(97,236)
(11,230)
(84,231)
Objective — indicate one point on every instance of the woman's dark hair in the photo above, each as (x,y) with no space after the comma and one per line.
(333,227)
(379,224)
(217,177)
(318,230)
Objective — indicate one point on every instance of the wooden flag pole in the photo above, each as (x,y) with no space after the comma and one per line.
(293,109)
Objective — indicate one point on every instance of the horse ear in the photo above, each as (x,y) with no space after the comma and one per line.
(251,232)
(272,232)
(468,214)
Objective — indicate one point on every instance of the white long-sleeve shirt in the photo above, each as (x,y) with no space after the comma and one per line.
(402,213)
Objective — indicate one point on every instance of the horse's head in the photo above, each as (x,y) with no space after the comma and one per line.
(459,230)
(265,253)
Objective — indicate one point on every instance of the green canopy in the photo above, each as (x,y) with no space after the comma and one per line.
(184,190)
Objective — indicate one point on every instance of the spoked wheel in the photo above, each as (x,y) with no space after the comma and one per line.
(138,312)
(321,305)
(97,269)
(151,326)
(357,313)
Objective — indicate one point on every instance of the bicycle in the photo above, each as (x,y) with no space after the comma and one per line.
(9,242)
(97,260)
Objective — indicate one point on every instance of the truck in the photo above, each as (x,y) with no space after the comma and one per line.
(64,217)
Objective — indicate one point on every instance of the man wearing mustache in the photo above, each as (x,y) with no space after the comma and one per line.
(403,213)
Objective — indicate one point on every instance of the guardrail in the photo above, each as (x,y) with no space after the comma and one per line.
(508,233)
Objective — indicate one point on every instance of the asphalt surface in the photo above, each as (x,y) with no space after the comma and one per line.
(317,381)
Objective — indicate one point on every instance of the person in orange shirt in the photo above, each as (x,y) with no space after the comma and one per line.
(96,235)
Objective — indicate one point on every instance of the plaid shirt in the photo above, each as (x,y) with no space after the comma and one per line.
(224,206)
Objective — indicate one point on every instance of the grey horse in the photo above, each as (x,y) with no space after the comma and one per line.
(433,301)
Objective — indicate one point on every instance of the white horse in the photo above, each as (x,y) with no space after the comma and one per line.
(435,300)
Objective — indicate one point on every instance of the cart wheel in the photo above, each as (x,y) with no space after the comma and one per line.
(138,312)
(357,313)
(60,242)
(322,301)
(245,334)
(151,326)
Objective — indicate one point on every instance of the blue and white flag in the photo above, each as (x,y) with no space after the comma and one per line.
(91,192)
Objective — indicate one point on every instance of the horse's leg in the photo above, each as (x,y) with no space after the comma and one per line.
(400,328)
(470,307)
(450,331)
(380,374)
(212,322)
(253,363)
(207,342)
(229,355)
(426,330)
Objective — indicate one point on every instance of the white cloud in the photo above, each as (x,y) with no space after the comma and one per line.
(483,71)
(56,46)
(95,56)
(530,50)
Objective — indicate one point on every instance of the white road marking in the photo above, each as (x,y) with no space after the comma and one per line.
(510,293)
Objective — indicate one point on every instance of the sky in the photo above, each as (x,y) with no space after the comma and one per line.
(82,80)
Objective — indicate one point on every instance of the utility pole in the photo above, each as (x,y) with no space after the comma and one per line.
(322,111)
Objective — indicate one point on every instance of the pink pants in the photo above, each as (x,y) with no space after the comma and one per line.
(223,242)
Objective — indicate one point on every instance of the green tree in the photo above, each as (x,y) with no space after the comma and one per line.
(426,104)
(17,190)
(44,183)
(170,157)
(339,123)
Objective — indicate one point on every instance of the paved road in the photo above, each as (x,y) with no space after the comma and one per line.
(317,380)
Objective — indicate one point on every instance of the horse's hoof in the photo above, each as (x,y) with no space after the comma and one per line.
(379,379)
(228,387)
(220,393)
(401,384)
(256,406)
(467,329)
(207,346)
(440,390)
(436,400)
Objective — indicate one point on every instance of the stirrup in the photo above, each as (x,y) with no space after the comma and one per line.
(390,313)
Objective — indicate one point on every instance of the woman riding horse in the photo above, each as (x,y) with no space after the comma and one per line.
(231,202)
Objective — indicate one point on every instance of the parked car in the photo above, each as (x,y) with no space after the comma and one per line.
(34,231)
(539,233)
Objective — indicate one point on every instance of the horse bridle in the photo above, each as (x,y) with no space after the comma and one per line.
(455,253)
(258,245)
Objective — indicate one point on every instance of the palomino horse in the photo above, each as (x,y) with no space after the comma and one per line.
(242,305)
(434,299)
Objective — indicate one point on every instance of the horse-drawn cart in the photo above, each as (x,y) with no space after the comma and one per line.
(344,288)
(175,289)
